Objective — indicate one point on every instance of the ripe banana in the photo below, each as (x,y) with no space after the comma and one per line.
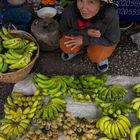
(134,131)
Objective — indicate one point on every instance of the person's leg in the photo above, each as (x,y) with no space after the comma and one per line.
(99,55)
(67,52)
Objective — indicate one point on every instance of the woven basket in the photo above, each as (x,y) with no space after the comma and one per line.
(15,76)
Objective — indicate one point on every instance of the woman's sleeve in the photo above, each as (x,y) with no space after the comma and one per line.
(112,32)
(67,22)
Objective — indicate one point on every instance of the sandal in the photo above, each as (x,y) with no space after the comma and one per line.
(66,56)
(103,66)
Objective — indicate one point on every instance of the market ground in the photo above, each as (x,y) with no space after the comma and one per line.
(124,61)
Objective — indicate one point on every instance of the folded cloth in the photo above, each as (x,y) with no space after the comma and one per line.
(103,66)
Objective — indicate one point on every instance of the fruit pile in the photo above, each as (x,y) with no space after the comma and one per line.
(114,128)
(111,93)
(45,130)
(113,108)
(80,89)
(52,109)
(43,116)
(15,52)
(79,129)
(135,132)
(136,89)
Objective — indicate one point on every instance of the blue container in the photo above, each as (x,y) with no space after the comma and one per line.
(128,9)
(20,17)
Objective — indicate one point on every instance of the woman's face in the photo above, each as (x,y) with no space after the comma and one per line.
(88,8)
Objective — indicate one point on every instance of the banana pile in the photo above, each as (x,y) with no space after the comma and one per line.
(54,86)
(81,95)
(113,109)
(92,81)
(135,132)
(13,129)
(135,103)
(20,107)
(52,109)
(115,129)
(79,129)
(3,137)
(45,130)
(111,93)
(16,52)
(3,64)
(136,89)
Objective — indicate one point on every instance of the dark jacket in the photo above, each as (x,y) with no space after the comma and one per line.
(107,21)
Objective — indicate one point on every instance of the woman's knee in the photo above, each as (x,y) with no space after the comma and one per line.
(66,49)
(99,53)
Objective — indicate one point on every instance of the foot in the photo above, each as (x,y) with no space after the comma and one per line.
(65,56)
(103,66)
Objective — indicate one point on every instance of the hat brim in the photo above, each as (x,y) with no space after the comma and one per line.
(108,1)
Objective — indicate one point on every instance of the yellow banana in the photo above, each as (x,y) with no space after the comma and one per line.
(135,100)
(108,130)
(117,132)
(31,115)
(21,129)
(125,119)
(124,125)
(26,110)
(36,93)
(35,104)
(33,110)
(7,129)
(4,126)
(113,131)
(121,129)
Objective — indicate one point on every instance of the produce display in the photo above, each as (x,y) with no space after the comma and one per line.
(79,129)
(136,89)
(43,116)
(135,132)
(114,128)
(113,108)
(45,130)
(15,52)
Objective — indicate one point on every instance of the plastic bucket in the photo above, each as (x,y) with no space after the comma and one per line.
(19,17)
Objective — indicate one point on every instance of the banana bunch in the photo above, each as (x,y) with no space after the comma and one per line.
(3,137)
(135,103)
(79,129)
(81,95)
(20,107)
(111,93)
(52,109)
(136,89)
(5,35)
(45,130)
(14,130)
(92,81)
(135,132)
(115,129)
(53,86)
(113,109)
(11,42)
(3,64)
(18,52)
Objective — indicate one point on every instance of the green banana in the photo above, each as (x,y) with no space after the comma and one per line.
(21,63)
(5,121)
(14,54)
(4,37)
(134,131)
(6,33)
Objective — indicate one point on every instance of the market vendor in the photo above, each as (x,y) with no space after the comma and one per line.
(90,24)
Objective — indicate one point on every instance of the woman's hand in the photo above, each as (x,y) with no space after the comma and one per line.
(74,41)
(94,33)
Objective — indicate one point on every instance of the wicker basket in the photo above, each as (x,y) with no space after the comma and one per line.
(15,76)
